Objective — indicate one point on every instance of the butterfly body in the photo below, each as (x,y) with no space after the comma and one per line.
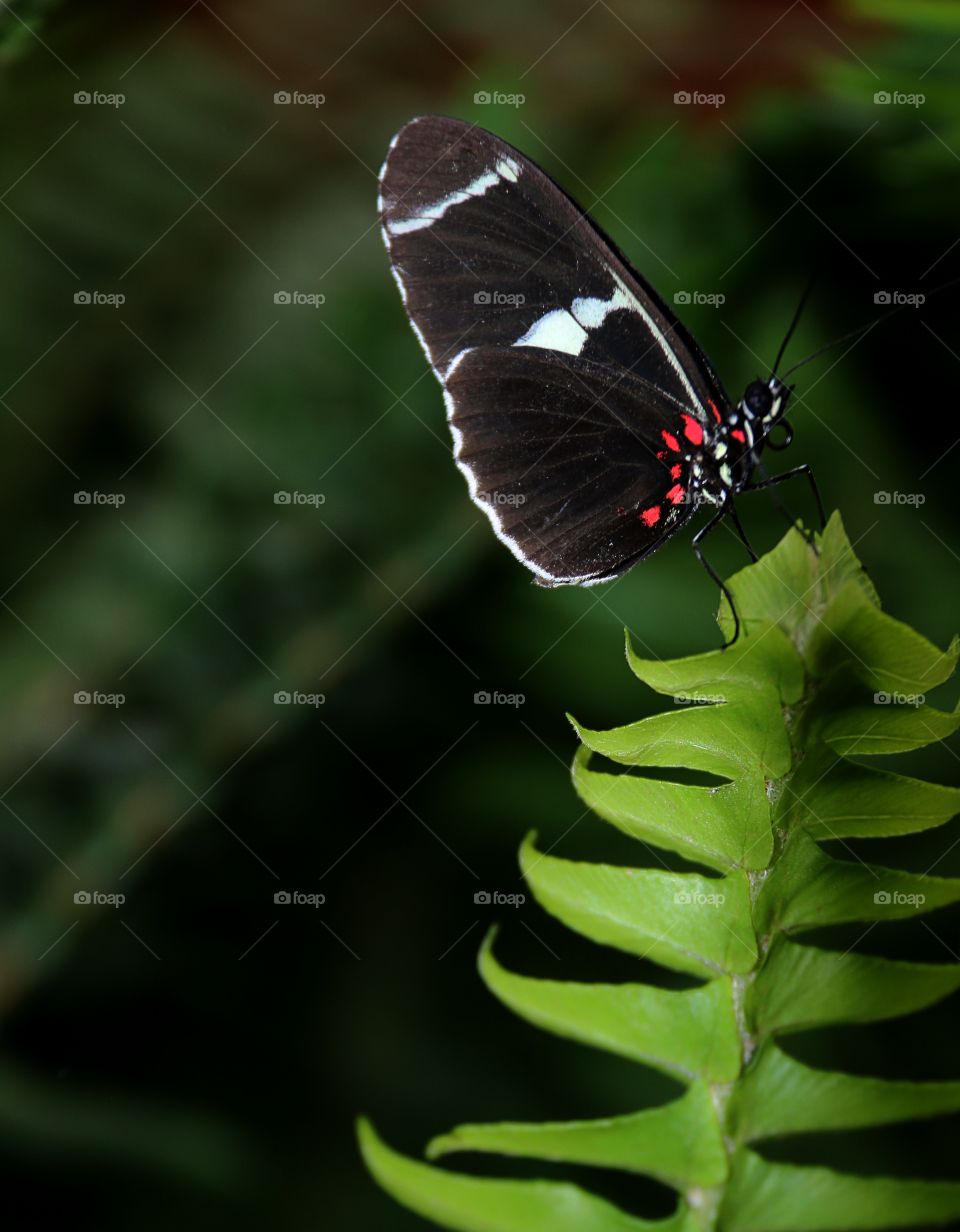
(589,424)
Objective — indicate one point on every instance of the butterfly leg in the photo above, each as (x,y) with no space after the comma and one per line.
(772,480)
(784,508)
(697,540)
(741,532)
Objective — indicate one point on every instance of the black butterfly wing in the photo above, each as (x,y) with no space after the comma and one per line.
(580,468)
(489,251)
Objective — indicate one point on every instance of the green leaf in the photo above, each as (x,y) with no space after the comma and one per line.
(884,653)
(800,986)
(776,721)
(690,1034)
(698,737)
(767,662)
(721,827)
(778,590)
(768,1197)
(690,923)
(809,889)
(887,728)
(833,798)
(715,732)
(679,1143)
(470,1204)
(779,1096)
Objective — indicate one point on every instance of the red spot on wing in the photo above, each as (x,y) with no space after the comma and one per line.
(671,441)
(676,494)
(661,453)
(713,407)
(676,471)
(738,435)
(692,430)
(651,516)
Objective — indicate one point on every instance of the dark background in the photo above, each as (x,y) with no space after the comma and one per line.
(198,1054)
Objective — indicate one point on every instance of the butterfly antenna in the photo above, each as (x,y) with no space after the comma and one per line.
(828,346)
(796,318)
(862,329)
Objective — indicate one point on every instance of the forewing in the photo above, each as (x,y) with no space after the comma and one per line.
(488,251)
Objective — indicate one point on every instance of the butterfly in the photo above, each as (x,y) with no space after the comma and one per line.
(589,424)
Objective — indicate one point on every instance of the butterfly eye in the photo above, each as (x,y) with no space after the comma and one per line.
(758,398)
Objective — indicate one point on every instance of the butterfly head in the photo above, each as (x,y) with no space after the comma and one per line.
(763,406)
(764,403)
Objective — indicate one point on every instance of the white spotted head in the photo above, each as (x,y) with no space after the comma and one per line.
(763,404)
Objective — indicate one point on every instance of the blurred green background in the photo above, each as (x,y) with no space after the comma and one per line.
(198,1052)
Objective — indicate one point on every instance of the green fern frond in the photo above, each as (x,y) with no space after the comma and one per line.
(777,720)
